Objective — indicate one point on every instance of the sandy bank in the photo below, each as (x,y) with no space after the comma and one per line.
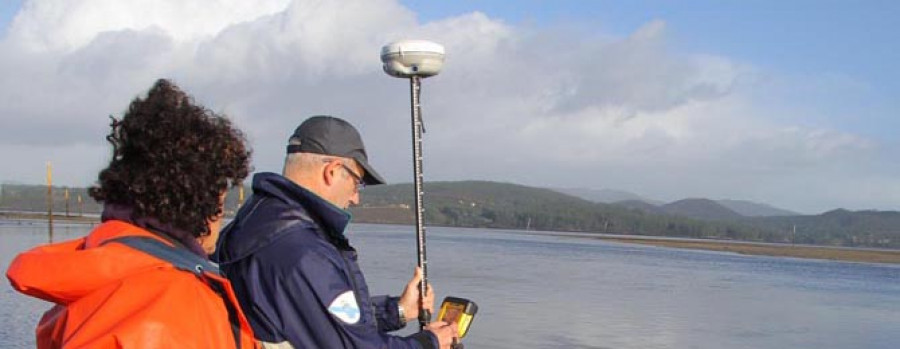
(779,250)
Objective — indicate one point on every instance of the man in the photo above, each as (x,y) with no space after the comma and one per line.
(293,268)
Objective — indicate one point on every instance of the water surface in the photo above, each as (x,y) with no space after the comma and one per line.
(537,291)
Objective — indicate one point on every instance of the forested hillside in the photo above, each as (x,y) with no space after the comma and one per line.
(508,206)
(503,205)
(841,227)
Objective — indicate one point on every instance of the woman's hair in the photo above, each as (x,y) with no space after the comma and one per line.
(172,160)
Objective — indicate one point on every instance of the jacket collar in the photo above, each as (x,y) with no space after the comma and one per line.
(331,218)
(126,214)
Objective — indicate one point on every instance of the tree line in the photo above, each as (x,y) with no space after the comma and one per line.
(480,204)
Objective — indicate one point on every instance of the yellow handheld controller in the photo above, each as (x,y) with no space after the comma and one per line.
(458,310)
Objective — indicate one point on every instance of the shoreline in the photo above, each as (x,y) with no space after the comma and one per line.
(836,253)
(42,217)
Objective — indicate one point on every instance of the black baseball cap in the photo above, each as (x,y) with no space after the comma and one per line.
(328,135)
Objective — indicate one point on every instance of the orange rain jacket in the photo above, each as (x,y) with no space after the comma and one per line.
(114,296)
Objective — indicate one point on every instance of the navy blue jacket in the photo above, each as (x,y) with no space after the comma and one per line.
(296,275)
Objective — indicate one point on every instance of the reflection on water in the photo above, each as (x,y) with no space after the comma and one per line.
(558,292)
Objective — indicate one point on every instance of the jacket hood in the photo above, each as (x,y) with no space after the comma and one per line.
(276,205)
(66,271)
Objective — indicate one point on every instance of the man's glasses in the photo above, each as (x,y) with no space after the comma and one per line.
(360,184)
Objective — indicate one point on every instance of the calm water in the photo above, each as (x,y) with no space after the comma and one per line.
(556,292)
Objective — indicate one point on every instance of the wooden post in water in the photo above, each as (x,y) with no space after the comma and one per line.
(240,196)
(67,201)
(794,235)
(50,201)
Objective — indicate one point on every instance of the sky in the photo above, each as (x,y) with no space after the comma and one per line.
(788,103)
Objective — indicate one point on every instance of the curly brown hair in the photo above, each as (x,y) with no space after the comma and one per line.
(172,160)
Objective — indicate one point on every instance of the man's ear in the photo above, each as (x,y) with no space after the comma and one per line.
(329,171)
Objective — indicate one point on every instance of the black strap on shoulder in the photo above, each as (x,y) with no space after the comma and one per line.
(185,260)
(181,258)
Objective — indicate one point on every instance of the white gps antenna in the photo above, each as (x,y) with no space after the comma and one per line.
(416,59)
(408,58)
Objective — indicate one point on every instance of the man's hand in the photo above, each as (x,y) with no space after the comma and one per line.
(409,300)
(445,332)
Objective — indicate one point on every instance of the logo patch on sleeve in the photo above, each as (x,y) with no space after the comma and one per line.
(344,307)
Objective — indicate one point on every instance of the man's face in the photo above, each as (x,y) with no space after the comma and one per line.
(347,183)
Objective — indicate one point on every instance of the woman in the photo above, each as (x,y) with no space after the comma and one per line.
(141,279)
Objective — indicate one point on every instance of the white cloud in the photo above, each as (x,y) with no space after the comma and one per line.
(51,25)
(538,106)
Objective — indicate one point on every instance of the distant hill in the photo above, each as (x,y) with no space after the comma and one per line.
(634,201)
(504,205)
(625,199)
(482,204)
(607,196)
(753,209)
(640,206)
(840,227)
(709,209)
(703,209)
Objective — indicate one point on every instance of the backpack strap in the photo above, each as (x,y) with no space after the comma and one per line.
(181,258)
(185,260)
